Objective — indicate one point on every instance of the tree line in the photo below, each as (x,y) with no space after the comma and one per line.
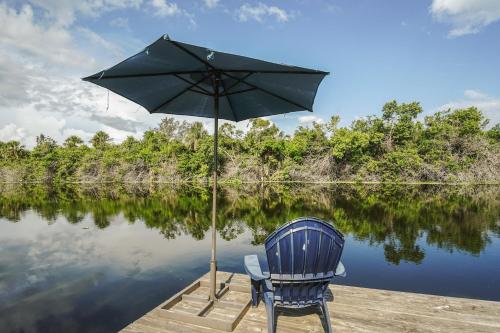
(398,145)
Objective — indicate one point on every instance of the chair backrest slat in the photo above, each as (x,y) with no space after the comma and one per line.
(292,249)
(303,256)
(305,247)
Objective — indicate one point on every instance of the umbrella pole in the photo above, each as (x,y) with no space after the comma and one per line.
(213,261)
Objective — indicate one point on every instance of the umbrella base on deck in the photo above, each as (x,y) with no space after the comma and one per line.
(192,305)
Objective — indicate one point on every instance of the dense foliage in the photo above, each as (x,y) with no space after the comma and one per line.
(452,145)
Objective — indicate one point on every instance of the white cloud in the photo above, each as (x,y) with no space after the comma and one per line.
(60,107)
(13,86)
(258,12)
(12,132)
(119,22)
(211,3)
(489,105)
(29,123)
(97,40)
(465,16)
(21,33)
(84,135)
(64,12)
(164,8)
(310,119)
(333,8)
(40,89)
(475,94)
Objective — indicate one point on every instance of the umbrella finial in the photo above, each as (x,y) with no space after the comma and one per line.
(166,37)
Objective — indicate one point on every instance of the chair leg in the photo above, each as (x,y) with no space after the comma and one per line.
(326,315)
(271,317)
(255,292)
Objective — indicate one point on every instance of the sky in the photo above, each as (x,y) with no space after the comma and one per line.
(441,53)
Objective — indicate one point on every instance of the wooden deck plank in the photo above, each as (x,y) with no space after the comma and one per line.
(444,312)
(380,314)
(353,309)
(386,318)
(384,297)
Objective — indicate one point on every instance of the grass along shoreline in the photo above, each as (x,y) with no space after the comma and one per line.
(263,182)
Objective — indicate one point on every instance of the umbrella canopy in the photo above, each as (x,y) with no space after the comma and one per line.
(177,78)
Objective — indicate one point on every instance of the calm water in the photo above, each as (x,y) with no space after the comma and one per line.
(95,259)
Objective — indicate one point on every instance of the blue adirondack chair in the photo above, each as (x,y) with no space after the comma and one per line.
(303,256)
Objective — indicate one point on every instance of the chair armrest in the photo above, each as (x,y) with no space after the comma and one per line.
(252,267)
(340,271)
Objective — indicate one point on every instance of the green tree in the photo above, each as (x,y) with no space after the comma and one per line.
(193,134)
(44,145)
(101,140)
(43,159)
(265,141)
(169,127)
(494,134)
(307,141)
(400,126)
(73,141)
(12,150)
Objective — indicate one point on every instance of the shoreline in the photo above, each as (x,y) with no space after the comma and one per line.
(240,182)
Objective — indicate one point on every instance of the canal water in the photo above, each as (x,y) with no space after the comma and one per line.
(93,259)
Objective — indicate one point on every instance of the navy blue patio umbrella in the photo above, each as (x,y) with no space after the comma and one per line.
(177,78)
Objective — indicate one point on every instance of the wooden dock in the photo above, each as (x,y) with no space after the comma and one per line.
(352,310)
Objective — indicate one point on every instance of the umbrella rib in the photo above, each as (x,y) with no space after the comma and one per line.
(200,92)
(97,77)
(193,55)
(273,94)
(239,91)
(180,93)
(190,82)
(127,76)
(276,71)
(225,92)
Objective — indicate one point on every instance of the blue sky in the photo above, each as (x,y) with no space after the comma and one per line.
(442,53)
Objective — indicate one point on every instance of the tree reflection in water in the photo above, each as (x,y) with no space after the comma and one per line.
(395,216)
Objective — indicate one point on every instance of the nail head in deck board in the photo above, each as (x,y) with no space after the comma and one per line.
(354,309)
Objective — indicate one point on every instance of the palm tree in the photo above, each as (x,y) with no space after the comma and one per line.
(14,150)
(100,140)
(194,134)
(73,141)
